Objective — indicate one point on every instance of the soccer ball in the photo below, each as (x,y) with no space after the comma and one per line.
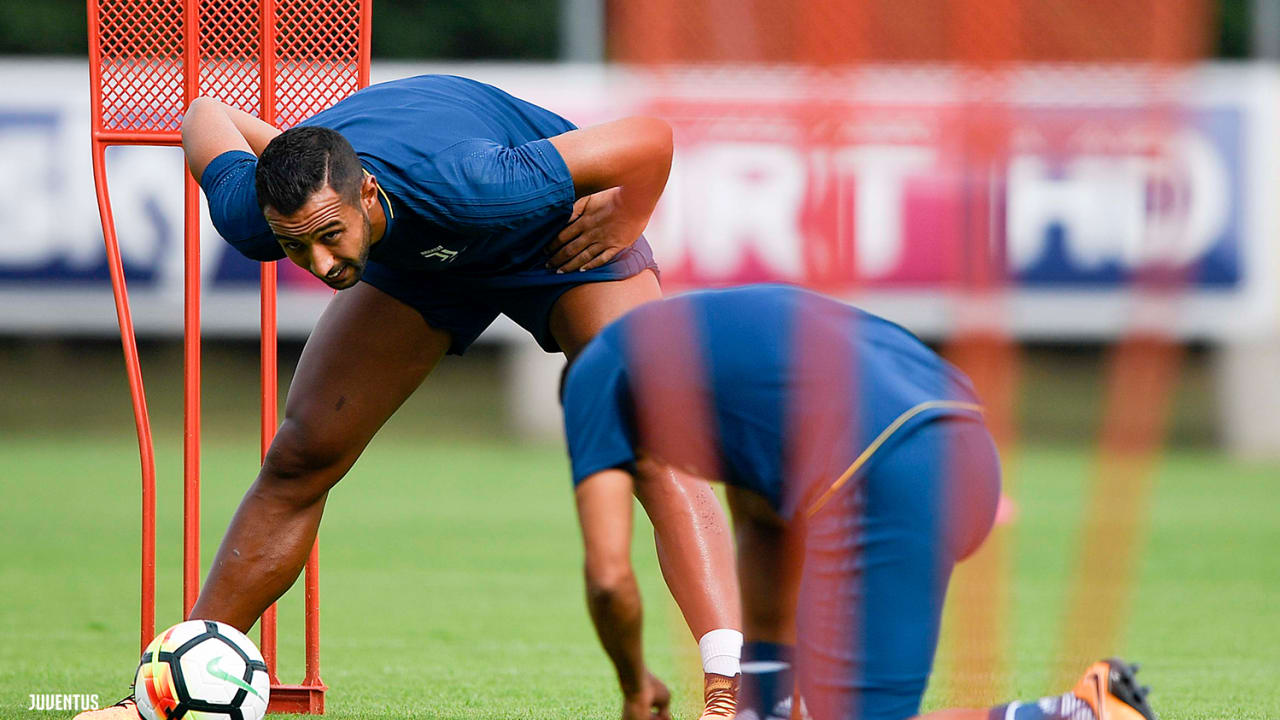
(201,670)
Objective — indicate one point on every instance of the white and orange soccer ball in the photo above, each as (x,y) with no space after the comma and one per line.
(202,670)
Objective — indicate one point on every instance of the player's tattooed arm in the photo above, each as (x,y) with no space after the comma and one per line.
(210,128)
(619,170)
(604,511)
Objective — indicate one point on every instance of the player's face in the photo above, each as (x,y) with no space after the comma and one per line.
(327,237)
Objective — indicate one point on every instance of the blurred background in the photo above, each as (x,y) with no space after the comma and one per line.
(863,179)
(1075,201)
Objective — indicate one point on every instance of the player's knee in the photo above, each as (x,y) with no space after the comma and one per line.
(303,464)
(610,579)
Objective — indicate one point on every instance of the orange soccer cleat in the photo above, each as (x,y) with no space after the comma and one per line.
(1110,689)
(721,695)
(126,709)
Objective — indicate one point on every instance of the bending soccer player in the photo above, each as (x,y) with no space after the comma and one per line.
(858,471)
(433,204)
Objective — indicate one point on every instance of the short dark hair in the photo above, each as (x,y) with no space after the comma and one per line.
(300,162)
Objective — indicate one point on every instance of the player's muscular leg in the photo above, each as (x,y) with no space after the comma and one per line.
(366,355)
(695,549)
(584,310)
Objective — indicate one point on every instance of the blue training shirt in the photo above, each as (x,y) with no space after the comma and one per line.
(472,182)
(767,387)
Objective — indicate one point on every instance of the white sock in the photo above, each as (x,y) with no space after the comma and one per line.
(721,652)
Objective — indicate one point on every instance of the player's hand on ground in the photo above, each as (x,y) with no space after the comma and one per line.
(652,702)
(600,228)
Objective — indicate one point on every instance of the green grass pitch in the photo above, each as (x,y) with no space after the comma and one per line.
(451,588)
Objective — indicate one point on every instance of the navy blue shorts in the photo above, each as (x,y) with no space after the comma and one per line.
(465,305)
(877,559)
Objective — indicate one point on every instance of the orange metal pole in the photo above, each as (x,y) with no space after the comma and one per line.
(128,340)
(191,399)
(366,44)
(191,337)
(267,352)
(137,393)
(312,602)
(1143,373)
(149,139)
(985,40)
(268,370)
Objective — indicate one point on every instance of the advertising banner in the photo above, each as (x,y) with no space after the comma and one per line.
(864,185)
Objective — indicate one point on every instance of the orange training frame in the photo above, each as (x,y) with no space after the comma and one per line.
(148,59)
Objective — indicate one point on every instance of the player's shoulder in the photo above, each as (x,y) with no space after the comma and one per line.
(228,164)
(228,183)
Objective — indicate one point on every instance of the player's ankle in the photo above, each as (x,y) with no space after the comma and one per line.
(1054,707)
(761,651)
(721,651)
(767,680)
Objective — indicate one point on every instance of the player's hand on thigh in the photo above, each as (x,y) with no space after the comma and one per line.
(652,702)
(600,228)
